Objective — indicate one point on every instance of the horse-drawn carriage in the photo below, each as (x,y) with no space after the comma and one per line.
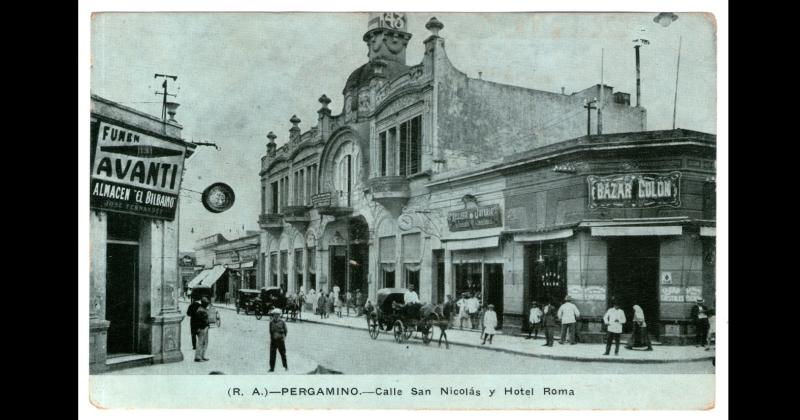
(391,314)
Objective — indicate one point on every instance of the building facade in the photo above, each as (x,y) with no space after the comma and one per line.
(409,183)
(137,166)
(228,265)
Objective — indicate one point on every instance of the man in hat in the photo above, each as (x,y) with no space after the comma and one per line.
(277,336)
(700,317)
(200,320)
(534,319)
(568,314)
(614,320)
(191,312)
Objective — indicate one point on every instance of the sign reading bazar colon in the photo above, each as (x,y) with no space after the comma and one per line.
(135,173)
(635,190)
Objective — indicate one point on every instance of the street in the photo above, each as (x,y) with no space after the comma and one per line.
(240,347)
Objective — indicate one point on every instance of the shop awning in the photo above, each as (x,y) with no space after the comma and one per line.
(637,230)
(708,231)
(477,243)
(543,236)
(207,277)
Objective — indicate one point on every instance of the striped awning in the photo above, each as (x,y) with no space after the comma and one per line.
(207,277)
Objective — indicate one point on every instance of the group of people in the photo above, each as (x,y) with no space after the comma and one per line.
(335,301)
(199,324)
(468,308)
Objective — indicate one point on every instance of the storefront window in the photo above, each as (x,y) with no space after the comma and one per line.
(298,266)
(284,270)
(468,279)
(312,268)
(548,272)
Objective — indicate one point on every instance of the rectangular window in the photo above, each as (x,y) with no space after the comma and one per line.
(391,147)
(411,146)
(404,149)
(312,268)
(469,279)
(382,157)
(273,268)
(298,269)
(301,193)
(263,199)
(284,270)
(273,205)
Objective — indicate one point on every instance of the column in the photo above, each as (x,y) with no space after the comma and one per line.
(98,326)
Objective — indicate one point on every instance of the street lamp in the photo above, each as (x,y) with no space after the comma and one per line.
(665,19)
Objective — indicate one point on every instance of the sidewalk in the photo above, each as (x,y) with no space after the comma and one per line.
(515,344)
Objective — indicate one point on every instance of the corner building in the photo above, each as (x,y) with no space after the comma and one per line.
(409,183)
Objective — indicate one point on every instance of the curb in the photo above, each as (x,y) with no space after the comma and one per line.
(548,356)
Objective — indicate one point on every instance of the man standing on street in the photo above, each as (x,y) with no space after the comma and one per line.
(548,322)
(201,320)
(473,307)
(277,335)
(700,317)
(614,320)
(568,313)
(192,322)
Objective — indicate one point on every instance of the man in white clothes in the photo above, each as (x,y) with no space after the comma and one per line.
(568,314)
(614,320)
(410,296)
(473,307)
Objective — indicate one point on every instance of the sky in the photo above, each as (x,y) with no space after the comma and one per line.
(242,75)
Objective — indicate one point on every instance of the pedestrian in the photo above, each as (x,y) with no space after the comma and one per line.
(359,302)
(312,297)
(277,339)
(410,296)
(337,304)
(489,324)
(192,322)
(201,316)
(712,328)
(614,319)
(700,317)
(322,305)
(473,307)
(446,314)
(568,314)
(534,319)
(548,322)
(330,302)
(348,302)
(639,338)
(462,310)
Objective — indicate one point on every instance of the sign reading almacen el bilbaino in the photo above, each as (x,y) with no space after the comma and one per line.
(135,173)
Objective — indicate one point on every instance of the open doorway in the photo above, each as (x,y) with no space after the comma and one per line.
(494,290)
(121,282)
(633,264)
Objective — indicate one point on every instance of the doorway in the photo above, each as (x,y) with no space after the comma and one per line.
(122,270)
(494,290)
(633,264)
(438,258)
(338,266)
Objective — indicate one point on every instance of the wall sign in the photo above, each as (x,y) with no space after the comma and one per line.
(635,190)
(479,217)
(135,173)
(321,199)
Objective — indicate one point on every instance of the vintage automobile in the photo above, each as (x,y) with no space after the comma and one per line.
(200,292)
(248,300)
(271,298)
(391,314)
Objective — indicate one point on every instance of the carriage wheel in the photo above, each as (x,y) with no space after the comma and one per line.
(372,326)
(258,313)
(399,331)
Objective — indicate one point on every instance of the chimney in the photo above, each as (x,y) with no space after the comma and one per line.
(324,119)
(294,132)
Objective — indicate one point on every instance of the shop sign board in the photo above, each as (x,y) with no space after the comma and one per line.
(479,217)
(635,190)
(135,173)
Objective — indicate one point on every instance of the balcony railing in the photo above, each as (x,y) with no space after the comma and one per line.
(298,216)
(391,191)
(333,203)
(270,221)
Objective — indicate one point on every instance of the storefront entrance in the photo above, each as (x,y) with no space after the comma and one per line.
(633,264)
(494,290)
(121,282)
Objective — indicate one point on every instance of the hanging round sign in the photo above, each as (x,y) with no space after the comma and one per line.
(218,197)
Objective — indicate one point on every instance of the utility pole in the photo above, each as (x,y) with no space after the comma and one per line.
(677,72)
(589,107)
(165,93)
(602,93)
(639,42)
